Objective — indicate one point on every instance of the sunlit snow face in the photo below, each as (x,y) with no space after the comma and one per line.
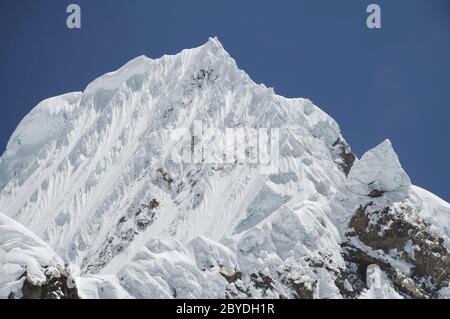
(373,276)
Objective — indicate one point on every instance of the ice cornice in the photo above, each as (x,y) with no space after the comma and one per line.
(112,80)
(378,171)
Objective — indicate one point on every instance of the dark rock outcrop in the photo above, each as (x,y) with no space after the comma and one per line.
(346,157)
(58,285)
(401,230)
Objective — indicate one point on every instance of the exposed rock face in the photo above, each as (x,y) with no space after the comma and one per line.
(136,221)
(59,284)
(392,232)
(375,193)
(287,283)
(346,157)
(262,281)
(231,275)
(302,290)
(401,233)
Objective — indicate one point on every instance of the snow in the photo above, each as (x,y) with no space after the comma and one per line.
(444,293)
(165,269)
(111,81)
(379,286)
(433,210)
(101,287)
(83,171)
(378,169)
(36,133)
(20,251)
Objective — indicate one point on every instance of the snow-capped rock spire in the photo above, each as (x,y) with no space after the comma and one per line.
(378,171)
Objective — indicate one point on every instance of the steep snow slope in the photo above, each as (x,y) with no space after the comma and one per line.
(27,263)
(94,174)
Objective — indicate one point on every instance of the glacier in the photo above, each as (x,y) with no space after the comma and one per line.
(93,206)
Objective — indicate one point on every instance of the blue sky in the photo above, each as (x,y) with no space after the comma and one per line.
(389,83)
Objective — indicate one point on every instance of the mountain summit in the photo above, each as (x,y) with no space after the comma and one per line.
(153,183)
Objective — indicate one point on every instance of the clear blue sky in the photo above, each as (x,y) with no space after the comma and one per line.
(393,82)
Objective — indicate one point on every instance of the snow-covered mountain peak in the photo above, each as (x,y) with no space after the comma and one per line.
(211,49)
(206,61)
(215,47)
(92,175)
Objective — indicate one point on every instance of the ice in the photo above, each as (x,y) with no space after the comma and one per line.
(379,286)
(378,169)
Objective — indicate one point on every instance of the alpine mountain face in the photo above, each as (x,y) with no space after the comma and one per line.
(96,203)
